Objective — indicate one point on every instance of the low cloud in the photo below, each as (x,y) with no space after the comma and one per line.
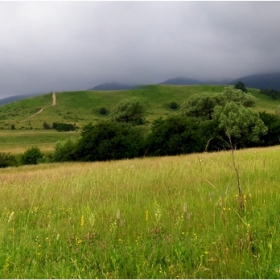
(55,46)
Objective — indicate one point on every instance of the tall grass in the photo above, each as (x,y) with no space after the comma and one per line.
(170,217)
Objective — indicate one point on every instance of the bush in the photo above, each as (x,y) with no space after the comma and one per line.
(272,122)
(241,86)
(32,155)
(64,151)
(129,112)
(173,105)
(7,160)
(175,135)
(64,126)
(46,126)
(107,141)
(103,111)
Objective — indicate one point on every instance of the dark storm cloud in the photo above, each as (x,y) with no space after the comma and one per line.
(53,46)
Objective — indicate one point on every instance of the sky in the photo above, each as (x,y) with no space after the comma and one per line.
(60,46)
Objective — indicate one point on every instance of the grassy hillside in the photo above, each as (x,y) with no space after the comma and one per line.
(171,217)
(82,107)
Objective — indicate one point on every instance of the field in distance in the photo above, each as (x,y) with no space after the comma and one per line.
(82,107)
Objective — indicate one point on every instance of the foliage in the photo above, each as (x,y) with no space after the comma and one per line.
(272,122)
(6,159)
(46,125)
(64,151)
(241,86)
(103,111)
(174,105)
(129,112)
(237,96)
(244,124)
(274,94)
(107,141)
(202,106)
(64,126)
(32,155)
(175,135)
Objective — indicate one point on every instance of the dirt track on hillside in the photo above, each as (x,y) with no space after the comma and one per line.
(42,109)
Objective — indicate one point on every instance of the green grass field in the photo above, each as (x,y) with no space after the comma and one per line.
(18,141)
(170,217)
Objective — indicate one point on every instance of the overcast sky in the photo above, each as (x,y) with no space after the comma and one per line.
(57,46)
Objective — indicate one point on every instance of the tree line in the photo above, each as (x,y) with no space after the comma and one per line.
(205,122)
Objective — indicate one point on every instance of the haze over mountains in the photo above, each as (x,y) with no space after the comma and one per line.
(259,81)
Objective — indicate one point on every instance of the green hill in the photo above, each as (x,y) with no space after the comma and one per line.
(82,107)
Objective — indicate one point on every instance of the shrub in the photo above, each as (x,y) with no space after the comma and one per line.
(64,126)
(7,160)
(103,111)
(175,135)
(64,151)
(32,155)
(46,125)
(241,86)
(129,112)
(273,134)
(107,141)
(173,105)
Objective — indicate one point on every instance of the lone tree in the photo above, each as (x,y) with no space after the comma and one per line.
(129,112)
(241,124)
(241,86)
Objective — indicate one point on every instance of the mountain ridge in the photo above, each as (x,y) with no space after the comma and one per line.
(268,80)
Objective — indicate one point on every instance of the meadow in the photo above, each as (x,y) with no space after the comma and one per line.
(18,141)
(169,217)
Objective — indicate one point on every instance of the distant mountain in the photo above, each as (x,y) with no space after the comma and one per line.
(112,86)
(13,98)
(261,81)
(181,81)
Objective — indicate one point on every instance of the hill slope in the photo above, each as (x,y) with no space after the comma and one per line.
(82,107)
(181,81)
(112,86)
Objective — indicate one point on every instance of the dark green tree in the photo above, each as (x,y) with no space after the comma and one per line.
(173,105)
(241,86)
(175,135)
(108,141)
(6,159)
(272,122)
